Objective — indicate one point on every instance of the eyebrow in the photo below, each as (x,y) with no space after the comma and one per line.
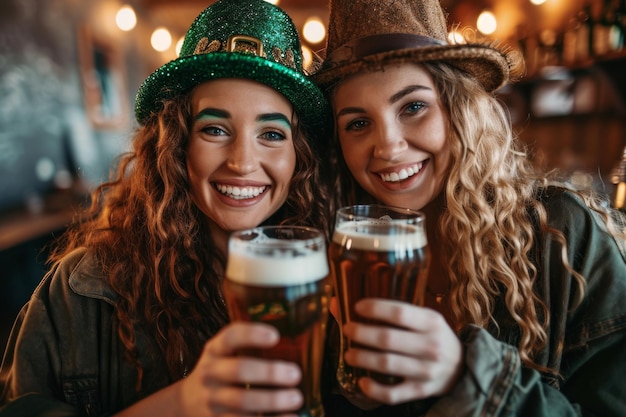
(211,112)
(349,110)
(406,91)
(394,98)
(222,114)
(274,117)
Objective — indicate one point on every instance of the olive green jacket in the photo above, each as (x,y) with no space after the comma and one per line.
(586,343)
(65,346)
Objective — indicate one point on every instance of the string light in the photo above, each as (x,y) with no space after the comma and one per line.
(456,38)
(487,23)
(161,39)
(179,45)
(314,30)
(126,19)
(307,57)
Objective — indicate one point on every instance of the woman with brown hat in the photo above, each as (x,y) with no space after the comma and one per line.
(524,308)
(130,319)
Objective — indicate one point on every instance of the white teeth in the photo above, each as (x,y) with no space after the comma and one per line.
(239,193)
(403,174)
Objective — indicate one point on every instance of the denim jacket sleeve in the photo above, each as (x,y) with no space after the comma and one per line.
(586,342)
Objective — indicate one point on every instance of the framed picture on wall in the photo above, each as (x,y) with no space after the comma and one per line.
(103,78)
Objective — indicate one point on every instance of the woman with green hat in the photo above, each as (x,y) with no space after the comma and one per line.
(524,311)
(130,319)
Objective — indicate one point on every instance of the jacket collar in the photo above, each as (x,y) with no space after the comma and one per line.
(87,278)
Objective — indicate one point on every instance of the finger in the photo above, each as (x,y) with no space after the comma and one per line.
(388,363)
(391,339)
(254,400)
(400,314)
(434,377)
(238,335)
(246,370)
(409,390)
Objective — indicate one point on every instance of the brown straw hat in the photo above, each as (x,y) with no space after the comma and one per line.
(365,34)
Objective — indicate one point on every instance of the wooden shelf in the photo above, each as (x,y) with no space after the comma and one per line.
(21,225)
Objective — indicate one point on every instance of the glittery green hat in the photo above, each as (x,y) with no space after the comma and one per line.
(249,39)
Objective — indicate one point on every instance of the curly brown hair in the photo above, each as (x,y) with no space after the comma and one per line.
(152,242)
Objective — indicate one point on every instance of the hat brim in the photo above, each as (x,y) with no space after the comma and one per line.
(182,74)
(487,65)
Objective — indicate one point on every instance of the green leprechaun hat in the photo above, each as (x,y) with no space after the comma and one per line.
(250,39)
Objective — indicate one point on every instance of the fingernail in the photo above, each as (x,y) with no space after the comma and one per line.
(294,399)
(293,373)
(270,335)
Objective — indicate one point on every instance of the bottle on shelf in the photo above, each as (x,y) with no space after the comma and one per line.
(602,30)
(549,48)
(584,34)
(618,178)
(570,35)
(618,28)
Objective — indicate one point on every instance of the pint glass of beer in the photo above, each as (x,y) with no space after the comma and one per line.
(379,252)
(279,275)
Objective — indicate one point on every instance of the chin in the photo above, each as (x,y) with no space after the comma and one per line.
(408,203)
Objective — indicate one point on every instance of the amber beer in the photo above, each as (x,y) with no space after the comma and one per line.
(378,252)
(279,276)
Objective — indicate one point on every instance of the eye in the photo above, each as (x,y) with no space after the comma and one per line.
(356,125)
(213,130)
(414,107)
(273,135)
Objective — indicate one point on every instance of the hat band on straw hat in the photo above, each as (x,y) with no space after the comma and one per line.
(370,45)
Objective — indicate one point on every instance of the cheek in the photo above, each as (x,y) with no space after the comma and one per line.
(194,168)
(438,144)
(199,163)
(283,166)
(442,167)
(355,158)
(443,155)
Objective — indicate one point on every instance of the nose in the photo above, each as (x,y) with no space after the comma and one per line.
(242,157)
(390,142)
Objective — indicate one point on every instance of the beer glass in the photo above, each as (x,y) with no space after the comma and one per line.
(381,252)
(279,275)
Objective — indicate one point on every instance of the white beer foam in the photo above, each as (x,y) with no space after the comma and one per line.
(351,234)
(254,269)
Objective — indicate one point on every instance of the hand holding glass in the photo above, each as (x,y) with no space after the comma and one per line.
(378,252)
(278,275)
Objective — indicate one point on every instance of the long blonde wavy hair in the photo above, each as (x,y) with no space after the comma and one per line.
(154,244)
(492,212)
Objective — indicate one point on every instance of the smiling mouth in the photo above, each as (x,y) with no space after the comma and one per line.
(403,174)
(240,193)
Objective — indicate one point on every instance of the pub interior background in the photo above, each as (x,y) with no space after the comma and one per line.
(69,74)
